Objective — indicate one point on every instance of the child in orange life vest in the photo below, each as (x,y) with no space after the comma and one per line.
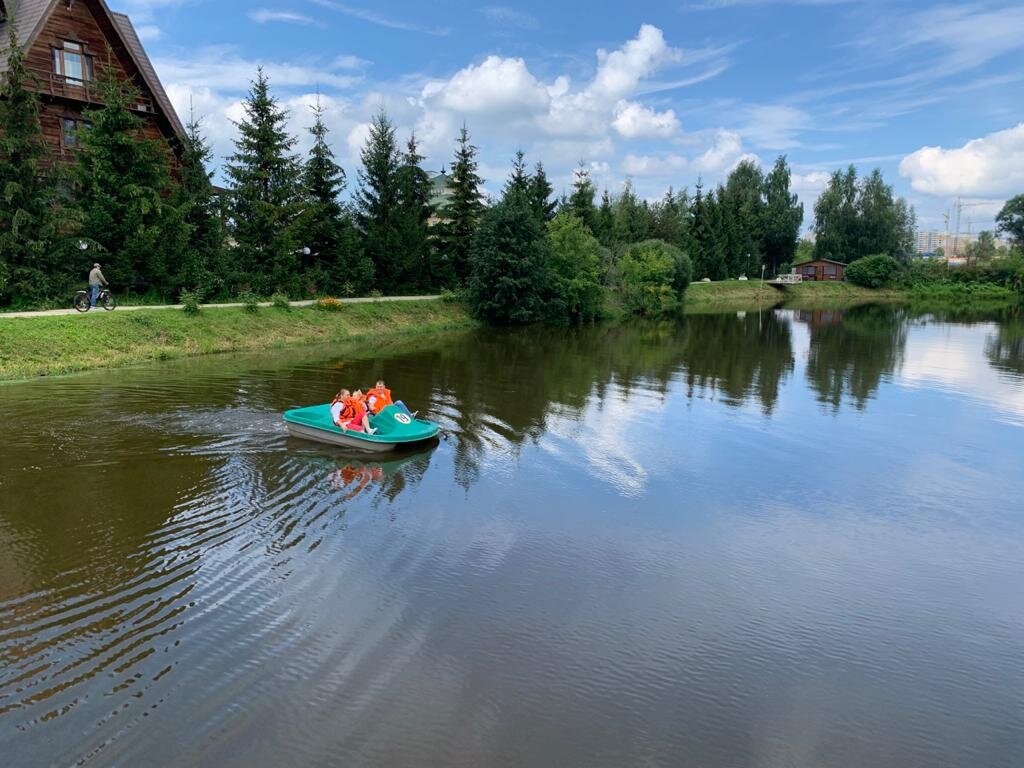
(348,412)
(380,398)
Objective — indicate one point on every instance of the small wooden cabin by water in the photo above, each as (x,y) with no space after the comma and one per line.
(821,269)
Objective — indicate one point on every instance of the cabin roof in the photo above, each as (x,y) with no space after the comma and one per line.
(29,16)
(815,261)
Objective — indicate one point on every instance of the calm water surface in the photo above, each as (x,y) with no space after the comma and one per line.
(775,539)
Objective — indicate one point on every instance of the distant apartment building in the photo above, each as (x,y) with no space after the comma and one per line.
(951,243)
(930,241)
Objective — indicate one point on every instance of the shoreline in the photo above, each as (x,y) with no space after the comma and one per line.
(59,345)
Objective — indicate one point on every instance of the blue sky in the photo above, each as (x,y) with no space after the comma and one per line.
(661,93)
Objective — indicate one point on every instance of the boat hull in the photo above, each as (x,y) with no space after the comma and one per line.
(337,438)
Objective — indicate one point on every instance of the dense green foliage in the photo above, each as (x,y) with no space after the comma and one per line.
(649,273)
(509,265)
(878,271)
(1010,220)
(856,218)
(29,203)
(574,270)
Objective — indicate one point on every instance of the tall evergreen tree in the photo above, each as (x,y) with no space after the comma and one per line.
(462,212)
(541,194)
(519,181)
(377,200)
(581,201)
(31,268)
(783,216)
(122,181)
(709,250)
(605,221)
(335,260)
(265,194)
(202,265)
(509,265)
(415,268)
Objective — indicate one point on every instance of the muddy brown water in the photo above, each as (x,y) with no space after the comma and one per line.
(778,539)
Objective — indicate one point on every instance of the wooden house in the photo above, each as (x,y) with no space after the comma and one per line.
(66,42)
(821,269)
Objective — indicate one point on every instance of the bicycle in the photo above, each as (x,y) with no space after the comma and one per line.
(106,300)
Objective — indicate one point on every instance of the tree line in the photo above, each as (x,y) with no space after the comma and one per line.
(291,224)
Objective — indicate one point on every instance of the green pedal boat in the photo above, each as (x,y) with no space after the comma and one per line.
(395,429)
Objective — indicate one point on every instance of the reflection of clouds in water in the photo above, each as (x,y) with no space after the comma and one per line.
(614,435)
(952,357)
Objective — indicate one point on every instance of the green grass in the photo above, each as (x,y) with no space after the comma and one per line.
(46,346)
(737,294)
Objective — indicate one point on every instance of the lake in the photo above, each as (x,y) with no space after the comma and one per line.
(777,538)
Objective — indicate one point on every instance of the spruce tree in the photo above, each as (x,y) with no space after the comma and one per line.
(122,181)
(605,223)
(581,201)
(335,260)
(540,194)
(509,265)
(31,268)
(462,212)
(414,256)
(265,194)
(377,200)
(202,265)
(519,181)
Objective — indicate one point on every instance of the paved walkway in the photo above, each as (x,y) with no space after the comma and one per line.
(134,307)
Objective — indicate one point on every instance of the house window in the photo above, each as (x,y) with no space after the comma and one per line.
(831,270)
(70,62)
(70,131)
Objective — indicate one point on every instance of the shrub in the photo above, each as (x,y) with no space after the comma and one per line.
(448,296)
(250,301)
(329,304)
(878,271)
(508,259)
(575,269)
(375,294)
(190,302)
(652,275)
(280,301)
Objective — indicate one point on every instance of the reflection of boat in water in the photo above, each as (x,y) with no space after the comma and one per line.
(395,429)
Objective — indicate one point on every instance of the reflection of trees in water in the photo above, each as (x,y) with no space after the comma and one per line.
(851,358)
(1005,349)
(742,356)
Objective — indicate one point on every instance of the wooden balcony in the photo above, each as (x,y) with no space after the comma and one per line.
(88,91)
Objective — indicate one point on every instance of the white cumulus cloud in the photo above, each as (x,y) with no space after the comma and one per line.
(634,121)
(990,166)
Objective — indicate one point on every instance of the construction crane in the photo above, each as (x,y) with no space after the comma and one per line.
(960,205)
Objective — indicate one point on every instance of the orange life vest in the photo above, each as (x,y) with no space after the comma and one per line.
(380,398)
(349,410)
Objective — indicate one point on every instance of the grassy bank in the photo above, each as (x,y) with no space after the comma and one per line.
(736,294)
(57,345)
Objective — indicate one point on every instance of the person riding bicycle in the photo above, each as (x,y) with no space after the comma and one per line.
(96,281)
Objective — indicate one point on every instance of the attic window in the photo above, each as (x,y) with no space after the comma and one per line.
(71,62)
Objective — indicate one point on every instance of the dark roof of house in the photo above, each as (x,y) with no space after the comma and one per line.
(29,16)
(812,261)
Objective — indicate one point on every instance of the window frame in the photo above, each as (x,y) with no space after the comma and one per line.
(69,139)
(85,63)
